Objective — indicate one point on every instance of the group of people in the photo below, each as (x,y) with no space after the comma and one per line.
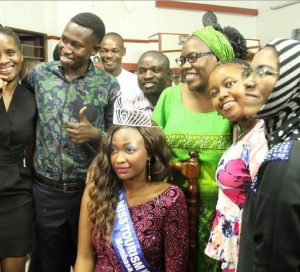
(153,73)
(72,155)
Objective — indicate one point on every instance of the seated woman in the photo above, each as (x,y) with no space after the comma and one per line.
(238,165)
(130,218)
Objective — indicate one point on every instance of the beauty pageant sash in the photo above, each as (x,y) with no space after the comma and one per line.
(125,242)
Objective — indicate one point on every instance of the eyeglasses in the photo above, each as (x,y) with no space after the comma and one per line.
(191,58)
(259,72)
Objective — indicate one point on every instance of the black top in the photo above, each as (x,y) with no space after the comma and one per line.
(270,237)
(16,131)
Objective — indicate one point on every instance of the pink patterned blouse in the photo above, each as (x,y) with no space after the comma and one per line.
(161,227)
(235,173)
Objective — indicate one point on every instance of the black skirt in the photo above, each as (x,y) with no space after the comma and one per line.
(16,227)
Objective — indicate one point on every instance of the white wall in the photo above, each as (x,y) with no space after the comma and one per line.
(132,19)
(37,16)
(187,21)
(140,19)
(276,23)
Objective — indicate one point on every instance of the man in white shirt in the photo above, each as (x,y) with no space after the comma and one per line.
(111,52)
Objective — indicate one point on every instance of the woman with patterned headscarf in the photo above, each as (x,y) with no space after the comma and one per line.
(270,238)
(186,114)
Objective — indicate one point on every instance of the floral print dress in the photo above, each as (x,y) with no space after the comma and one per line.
(236,170)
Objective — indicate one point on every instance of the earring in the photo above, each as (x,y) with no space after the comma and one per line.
(149,169)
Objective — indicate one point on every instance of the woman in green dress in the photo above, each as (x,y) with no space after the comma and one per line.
(186,114)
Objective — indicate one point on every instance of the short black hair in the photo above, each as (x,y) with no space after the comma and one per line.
(116,36)
(158,54)
(91,21)
(9,32)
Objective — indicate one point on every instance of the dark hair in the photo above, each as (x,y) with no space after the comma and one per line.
(9,32)
(91,21)
(114,34)
(117,36)
(243,63)
(159,54)
(104,185)
(237,42)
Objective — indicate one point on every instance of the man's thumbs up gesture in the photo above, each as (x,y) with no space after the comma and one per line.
(83,131)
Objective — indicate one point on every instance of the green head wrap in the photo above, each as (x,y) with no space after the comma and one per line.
(216,42)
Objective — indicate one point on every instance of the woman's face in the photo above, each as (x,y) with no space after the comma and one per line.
(197,73)
(227,91)
(128,154)
(261,80)
(11,58)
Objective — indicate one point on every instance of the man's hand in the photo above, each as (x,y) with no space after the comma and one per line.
(83,131)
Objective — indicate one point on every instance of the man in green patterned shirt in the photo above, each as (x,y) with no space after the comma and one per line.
(75,105)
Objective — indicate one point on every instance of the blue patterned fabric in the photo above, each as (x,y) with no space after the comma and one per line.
(279,152)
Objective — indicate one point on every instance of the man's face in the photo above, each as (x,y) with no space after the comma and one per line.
(76,45)
(111,52)
(153,75)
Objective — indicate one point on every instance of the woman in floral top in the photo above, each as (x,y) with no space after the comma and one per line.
(238,165)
